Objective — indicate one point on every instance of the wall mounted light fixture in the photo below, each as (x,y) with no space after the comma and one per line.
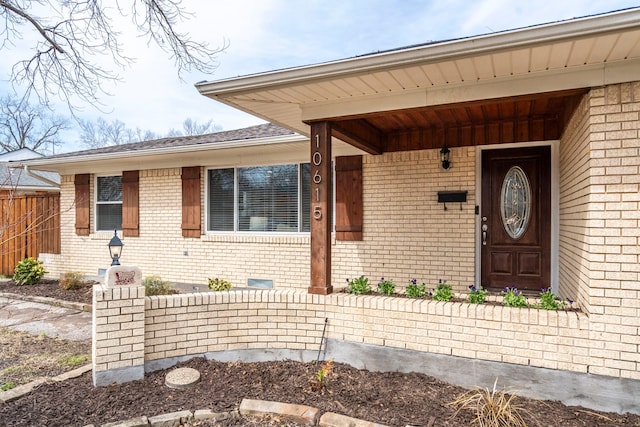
(444,157)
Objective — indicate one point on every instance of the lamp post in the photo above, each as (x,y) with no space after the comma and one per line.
(115,248)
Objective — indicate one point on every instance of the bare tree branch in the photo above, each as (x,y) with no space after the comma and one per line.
(77,34)
(25,126)
(102,133)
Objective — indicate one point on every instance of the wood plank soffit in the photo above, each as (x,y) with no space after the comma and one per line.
(360,134)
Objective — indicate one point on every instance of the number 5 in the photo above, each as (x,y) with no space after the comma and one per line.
(317,212)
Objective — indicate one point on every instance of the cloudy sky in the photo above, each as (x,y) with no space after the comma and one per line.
(265,35)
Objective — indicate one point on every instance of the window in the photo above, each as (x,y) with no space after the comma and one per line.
(259,199)
(108,203)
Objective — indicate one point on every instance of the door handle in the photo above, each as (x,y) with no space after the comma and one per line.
(484,234)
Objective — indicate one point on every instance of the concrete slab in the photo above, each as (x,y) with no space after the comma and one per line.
(37,318)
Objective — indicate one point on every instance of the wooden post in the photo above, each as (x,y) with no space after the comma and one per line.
(321,209)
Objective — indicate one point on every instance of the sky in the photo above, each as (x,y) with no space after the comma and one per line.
(266,35)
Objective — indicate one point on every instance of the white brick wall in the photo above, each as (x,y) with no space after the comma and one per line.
(407,234)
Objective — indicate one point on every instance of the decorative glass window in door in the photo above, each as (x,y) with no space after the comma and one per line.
(515,202)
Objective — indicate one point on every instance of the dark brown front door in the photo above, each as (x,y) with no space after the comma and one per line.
(515,219)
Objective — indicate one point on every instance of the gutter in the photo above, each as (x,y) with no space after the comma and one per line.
(163,151)
(26,170)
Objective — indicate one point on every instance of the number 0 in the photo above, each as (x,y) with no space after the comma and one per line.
(317,158)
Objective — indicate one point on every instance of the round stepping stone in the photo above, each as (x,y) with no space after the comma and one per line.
(182,378)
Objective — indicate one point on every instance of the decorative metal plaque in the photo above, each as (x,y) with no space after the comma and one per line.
(515,202)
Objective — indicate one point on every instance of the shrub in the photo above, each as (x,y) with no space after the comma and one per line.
(415,290)
(442,292)
(153,285)
(319,380)
(549,301)
(386,287)
(359,286)
(72,280)
(219,284)
(28,272)
(477,295)
(513,298)
(492,408)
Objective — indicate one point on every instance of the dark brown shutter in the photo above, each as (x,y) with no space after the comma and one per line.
(349,198)
(191,201)
(82,204)
(130,203)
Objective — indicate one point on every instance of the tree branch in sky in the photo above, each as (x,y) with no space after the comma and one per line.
(73,38)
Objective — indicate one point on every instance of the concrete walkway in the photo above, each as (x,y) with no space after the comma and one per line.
(36,318)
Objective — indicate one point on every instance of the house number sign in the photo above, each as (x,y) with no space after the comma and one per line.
(316,159)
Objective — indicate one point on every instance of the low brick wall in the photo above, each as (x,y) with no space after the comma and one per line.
(181,326)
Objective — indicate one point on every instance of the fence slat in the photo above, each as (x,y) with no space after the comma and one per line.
(30,226)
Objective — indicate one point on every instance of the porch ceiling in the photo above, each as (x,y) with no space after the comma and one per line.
(478,85)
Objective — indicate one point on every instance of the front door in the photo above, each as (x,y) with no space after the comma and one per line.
(515,218)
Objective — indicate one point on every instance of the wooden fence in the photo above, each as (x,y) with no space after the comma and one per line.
(30,226)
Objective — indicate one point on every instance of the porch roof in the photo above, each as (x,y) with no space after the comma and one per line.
(503,87)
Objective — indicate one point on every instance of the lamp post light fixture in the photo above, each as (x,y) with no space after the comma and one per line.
(115,248)
(444,157)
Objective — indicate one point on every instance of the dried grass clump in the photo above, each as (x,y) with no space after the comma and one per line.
(492,408)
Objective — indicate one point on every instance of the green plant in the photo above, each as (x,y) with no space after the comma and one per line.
(386,287)
(477,295)
(219,284)
(549,301)
(7,386)
(74,360)
(442,292)
(153,285)
(28,272)
(359,286)
(512,297)
(415,290)
(319,380)
(492,408)
(72,280)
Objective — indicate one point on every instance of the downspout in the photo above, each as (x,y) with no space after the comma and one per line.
(39,177)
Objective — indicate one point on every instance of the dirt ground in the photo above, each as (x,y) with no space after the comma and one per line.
(25,357)
(394,399)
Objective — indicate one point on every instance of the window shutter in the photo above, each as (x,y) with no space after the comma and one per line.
(191,201)
(82,204)
(130,203)
(349,210)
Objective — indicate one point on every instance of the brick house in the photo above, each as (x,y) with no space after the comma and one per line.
(508,159)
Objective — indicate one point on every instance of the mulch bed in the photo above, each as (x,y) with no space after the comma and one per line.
(51,289)
(394,399)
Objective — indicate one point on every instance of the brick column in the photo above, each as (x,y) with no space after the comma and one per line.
(118,334)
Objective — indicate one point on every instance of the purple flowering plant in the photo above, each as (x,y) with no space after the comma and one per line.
(415,290)
(512,297)
(386,287)
(549,300)
(477,295)
(359,286)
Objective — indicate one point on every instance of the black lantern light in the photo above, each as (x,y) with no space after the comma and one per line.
(115,248)
(444,157)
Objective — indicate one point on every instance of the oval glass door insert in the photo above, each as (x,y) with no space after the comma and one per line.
(515,202)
